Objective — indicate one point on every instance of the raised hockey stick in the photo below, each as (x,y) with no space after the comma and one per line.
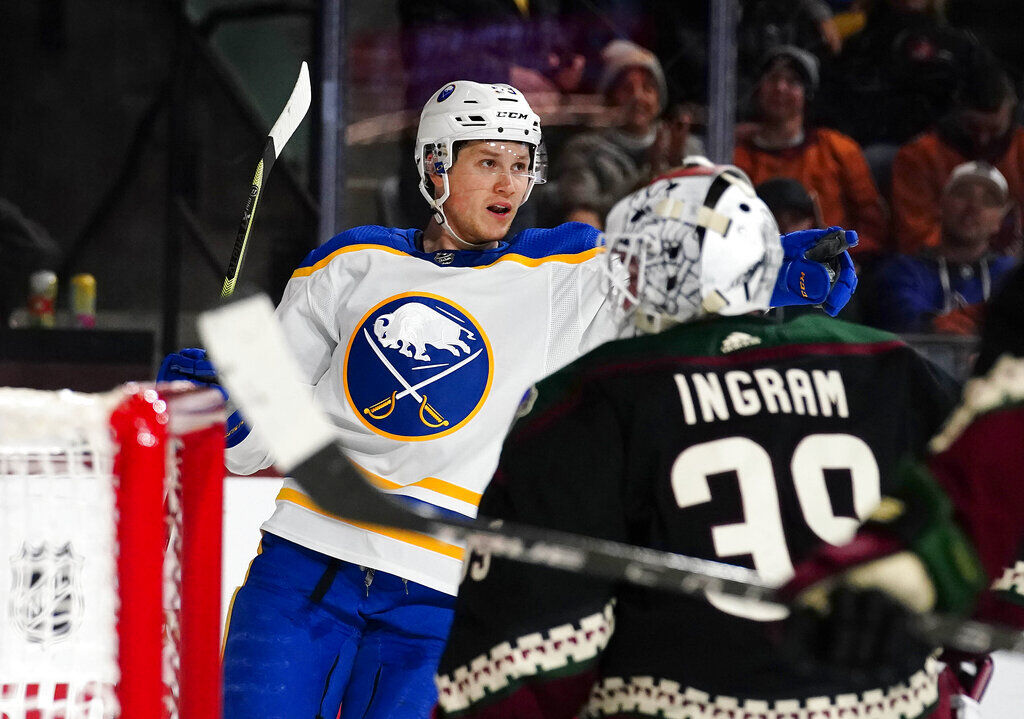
(254,363)
(294,110)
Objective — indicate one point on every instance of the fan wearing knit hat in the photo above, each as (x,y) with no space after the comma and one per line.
(782,142)
(599,167)
(632,81)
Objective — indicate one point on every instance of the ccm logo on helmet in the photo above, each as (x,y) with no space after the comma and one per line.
(512,115)
(446,92)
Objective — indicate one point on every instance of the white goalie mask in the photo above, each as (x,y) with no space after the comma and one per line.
(465,110)
(697,241)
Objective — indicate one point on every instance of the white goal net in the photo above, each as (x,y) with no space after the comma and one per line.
(109,515)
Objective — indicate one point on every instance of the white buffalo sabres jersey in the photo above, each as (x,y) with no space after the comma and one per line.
(421,360)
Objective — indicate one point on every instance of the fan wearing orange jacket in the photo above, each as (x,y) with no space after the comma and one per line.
(980,128)
(828,163)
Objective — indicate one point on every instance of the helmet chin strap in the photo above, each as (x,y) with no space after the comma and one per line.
(439,216)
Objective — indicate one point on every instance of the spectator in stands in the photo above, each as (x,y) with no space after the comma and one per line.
(598,168)
(990,21)
(897,75)
(794,209)
(781,143)
(943,288)
(530,45)
(766,24)
(981,127)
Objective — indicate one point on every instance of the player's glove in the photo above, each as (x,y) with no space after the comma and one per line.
(864,635)
(855,603)
(191,364)
(816,269)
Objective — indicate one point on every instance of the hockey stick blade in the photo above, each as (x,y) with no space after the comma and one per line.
(294,110)
(254,363)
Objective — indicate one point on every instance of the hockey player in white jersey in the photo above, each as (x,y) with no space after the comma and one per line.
(420,345)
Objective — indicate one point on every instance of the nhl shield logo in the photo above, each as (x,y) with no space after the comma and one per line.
(46,602)
(417,367)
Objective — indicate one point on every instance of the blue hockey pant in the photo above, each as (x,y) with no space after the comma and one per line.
(313,637)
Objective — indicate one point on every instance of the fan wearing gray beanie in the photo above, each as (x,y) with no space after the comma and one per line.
(600,166)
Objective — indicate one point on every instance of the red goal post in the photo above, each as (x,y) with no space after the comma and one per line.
(110,553)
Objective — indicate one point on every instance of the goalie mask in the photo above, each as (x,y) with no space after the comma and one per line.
(465,110)
(696,242)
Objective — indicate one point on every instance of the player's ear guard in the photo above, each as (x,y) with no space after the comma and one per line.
(817,269)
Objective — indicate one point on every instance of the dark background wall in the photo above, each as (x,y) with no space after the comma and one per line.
(99,97)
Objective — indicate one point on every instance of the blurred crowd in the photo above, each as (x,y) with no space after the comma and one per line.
(896,118)
(899,119)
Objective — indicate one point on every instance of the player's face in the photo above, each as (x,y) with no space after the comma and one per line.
(488,182)
(781,93)
(635,94)
(972,212)
(986,129)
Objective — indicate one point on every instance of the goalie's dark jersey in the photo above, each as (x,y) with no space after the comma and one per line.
(736,439)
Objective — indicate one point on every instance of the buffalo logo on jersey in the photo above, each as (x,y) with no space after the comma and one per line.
(417,367)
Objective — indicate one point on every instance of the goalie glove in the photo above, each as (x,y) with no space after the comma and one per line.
(191,365)
(816,269)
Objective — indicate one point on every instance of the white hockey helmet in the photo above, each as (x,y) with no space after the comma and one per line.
(696,241)
(465,110)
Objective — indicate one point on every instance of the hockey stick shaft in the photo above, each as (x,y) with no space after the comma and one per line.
(328,469)
(260,373)
(294,110)
(253,361)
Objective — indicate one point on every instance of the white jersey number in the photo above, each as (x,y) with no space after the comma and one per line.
(761,533)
